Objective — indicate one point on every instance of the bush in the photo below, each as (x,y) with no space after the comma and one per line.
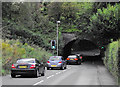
(14,49)
(119,62)
(111,58)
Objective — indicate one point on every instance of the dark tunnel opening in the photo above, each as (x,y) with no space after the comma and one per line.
(67,49)
(83,47)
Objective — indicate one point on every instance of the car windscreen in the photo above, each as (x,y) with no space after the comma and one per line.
(25,61)
(54,58)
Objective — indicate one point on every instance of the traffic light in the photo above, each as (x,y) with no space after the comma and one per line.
(53,44)
(102,47)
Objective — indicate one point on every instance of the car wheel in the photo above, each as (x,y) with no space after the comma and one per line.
(13,75)
(43,74)
(67,63)
(36,74)
(78,62)
(65,67)
(48,68)
(62,68)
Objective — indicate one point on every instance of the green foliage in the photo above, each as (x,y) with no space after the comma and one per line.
(35,23)
(26,22)
(119,61)
(111,58)
(14,49)
(73,30)
(105,22)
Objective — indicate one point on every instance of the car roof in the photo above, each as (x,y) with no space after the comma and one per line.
(55,56)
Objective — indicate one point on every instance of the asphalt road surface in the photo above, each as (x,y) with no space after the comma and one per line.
(89,73)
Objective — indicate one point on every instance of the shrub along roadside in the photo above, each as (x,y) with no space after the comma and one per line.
(14,49)
(111,58)
(119,62)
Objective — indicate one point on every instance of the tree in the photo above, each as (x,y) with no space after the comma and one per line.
(104,23)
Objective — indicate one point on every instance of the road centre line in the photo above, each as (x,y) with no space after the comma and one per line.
(58,73)
(69,68)
(63,70)
(39,82)
(50,76)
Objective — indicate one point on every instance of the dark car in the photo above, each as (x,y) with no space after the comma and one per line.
(56,62)
(27,66)
(76,59)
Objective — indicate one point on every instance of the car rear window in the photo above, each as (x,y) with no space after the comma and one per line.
(26,61)
(54,58)
(71,56)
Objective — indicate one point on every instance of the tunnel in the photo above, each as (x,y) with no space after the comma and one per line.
(83,47)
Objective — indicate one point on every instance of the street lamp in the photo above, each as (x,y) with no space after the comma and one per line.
(57,36)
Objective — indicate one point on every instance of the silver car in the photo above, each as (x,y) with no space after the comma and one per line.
(56,62)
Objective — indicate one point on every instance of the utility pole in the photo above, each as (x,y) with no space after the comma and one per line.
(57,36)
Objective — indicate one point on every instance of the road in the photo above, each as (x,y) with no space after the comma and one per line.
(89,73)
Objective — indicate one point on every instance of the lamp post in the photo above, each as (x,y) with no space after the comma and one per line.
(57,36)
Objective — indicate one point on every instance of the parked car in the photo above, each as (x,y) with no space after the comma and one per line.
(56,62)
(76,59)
(27,66)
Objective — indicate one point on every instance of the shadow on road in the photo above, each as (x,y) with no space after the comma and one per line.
(93,59)
(24,76)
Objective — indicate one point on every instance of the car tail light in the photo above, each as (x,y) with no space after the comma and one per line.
(13,66)
(81,57)
(32,66)
(75,59)
(60,62)
(68,58)
(48,62)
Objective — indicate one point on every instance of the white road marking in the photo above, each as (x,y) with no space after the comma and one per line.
(50,76)
(63,70)
(58,73)
(39,82)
